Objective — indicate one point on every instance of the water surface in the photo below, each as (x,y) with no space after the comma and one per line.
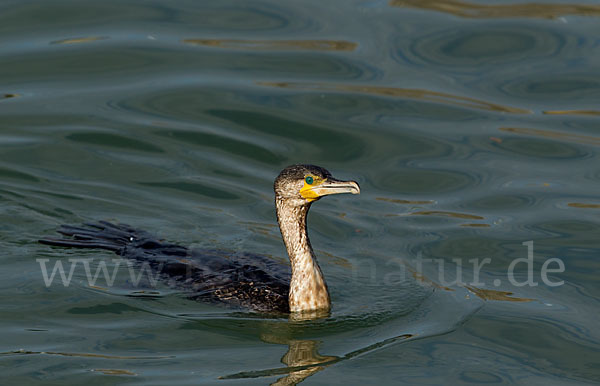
(472,127)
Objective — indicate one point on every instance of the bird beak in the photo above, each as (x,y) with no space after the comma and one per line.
(333,186)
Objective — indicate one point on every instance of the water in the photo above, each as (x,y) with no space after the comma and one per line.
(472,128)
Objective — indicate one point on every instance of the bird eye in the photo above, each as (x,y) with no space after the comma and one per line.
(309,180)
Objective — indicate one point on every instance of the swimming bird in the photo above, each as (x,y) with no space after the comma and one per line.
(240,279)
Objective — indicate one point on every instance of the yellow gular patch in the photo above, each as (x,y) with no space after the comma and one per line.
(307,190)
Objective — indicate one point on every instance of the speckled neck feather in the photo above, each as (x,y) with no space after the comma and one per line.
(308,291)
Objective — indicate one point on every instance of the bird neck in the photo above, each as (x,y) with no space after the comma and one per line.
(308,291)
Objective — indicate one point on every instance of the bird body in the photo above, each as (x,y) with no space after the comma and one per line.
(240,279)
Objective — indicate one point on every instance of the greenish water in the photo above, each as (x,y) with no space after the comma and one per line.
(472,128)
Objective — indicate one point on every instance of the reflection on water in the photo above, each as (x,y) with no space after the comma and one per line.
(486,11)
(302,353)
(447,214)
(488,294)
(413,202)
(583,205)
(114,372)
(571,137)
(431,96)
(303,360)
(83,355)
(424,279)
(572,112)
(313,45)
(79,40)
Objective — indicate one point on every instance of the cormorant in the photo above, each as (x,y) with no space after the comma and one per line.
(240,279)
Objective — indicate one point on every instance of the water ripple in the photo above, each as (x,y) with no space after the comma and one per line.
(394,92)
(347,146)
(583,205)
(447,214)
(495,11)
(421,181)
(572,137)
(8,96)
(81,40)
(113,140)
(537,148)
(221,142)
(276,45)
(477,49)
(573,112)
(579,87)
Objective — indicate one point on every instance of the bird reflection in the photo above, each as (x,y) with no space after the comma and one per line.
(302,358)
(304,355)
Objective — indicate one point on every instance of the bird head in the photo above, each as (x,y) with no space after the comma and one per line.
(304,184)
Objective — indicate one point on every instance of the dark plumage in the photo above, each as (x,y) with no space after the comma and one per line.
(239,279)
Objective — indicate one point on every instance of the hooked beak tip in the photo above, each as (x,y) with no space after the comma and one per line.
(337,187)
